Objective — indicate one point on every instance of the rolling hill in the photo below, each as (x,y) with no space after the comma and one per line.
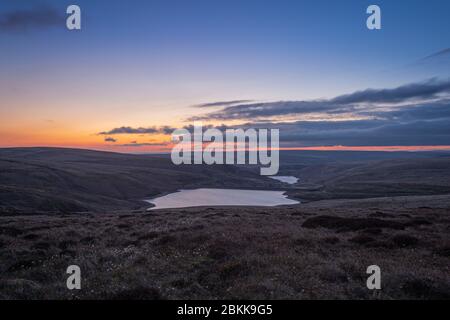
(74,180)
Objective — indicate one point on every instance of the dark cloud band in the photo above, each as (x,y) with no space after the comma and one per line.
(409,115)
(39,17)
(353,102)
(140,130)
(222,103)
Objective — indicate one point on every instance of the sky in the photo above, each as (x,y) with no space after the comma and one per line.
(138,69)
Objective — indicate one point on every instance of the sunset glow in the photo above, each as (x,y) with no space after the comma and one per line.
(143,75)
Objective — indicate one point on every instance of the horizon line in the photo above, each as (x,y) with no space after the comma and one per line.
(132,150)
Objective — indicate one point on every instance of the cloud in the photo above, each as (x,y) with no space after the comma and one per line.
(222,103)
(441,53)
(357,102)
(166,129)
(267,109)
(153,144)
(426,111)
(409,115)
(110,139)
(424,90)
(36,18)
(129,130)
(139,130)
(423,124)
(426,124)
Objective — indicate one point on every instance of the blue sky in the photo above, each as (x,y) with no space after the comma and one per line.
(145,63)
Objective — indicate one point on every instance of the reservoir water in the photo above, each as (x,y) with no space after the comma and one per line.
(286,179)
(221,197)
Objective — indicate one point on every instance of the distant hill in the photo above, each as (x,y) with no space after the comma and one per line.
(61,180)
(74,180)
(363,177)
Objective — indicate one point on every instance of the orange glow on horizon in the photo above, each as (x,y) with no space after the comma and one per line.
(165,147)
(60,136)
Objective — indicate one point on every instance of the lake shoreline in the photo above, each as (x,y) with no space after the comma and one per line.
(218,197)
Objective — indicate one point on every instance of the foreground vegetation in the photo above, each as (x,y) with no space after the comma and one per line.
(319,250)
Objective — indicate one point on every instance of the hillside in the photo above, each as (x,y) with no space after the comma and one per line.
(320,250)
(340,179)
(315,250)
(60,180)
(72,180)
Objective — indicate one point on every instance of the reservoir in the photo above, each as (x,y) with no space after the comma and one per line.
(221,197)
(286,179)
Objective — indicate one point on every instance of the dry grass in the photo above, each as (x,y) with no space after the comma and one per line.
(298,252)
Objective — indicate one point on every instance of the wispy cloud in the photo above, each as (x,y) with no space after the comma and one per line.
(145,144)
(424,124)
(166,129)
(349,103)
(222,103)
(440,53)
(423,90)
(36,18)
(110,139)
(139,130)
(409,115)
